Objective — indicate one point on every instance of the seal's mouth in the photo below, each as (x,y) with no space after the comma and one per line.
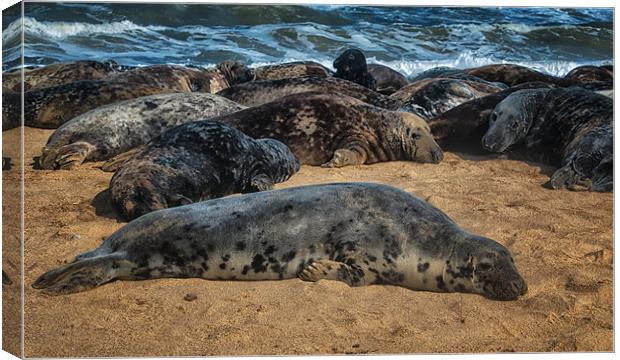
(505,291)
(493,146)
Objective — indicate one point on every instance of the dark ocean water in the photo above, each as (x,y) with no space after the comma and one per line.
(410,39)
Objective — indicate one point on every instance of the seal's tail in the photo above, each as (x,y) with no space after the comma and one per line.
(83,274)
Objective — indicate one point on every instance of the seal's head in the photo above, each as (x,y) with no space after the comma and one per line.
(416,140)
(483,266)
(235,72)
(350,64)
(510,121)
(279,160)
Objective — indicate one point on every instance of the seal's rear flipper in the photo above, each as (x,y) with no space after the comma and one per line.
(116,162)
(352,275)
(83,274)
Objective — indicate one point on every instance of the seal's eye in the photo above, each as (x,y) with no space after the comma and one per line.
(484,267)
(416,136)
(493,117)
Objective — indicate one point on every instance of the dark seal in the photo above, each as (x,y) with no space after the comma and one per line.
(357,233)
(387,80)
(256,93)
(571,128)
(431,97)
(335,130)
(110,130)
(463,126)
(198,161)
(53,106)
(351,65)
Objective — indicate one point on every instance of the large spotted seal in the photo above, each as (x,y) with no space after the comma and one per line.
(357,233)
(256,93)
(431,97)
(351,65)
(335,130)
(291,70)
(198,161)
(107,131)
(53,106)
(571,128)
(61,73)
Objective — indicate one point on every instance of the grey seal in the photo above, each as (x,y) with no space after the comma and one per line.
(357,233)
(570,128)
(52,106)
(291,70)
(256,93)
(335,130)
(429,98)
(387,80)
(61,73)
(109,130)
(198,161)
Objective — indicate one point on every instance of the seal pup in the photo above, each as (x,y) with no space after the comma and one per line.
(571,128)
(61,73)
(387,80)
(463,126)
(198,161)
(431,97)
(334,130)
(53,106)
(256,93)
(110,130)
(351,65)
(357,233)
(291,70)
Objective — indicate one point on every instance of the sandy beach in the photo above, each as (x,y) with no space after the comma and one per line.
(561,241)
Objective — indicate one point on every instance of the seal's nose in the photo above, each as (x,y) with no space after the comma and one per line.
(520,286)
(437,156)
(487,144)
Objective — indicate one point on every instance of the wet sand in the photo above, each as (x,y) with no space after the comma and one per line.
(561,241)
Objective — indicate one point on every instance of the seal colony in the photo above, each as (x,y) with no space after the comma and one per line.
(178,145)
(198,161)
(357,233)
(107,131)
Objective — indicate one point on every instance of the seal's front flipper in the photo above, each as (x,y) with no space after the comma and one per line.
(344,157)
(259,183)
(83,274)
(352,275)
(116,162)
(67,157)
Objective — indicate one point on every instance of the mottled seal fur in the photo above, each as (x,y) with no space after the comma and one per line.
(107,131)
(357,233)
(431,97)
(198,161)
(590,73)
(335,130)
(62,73)
(387,80)
(351,65)
(291,70)
(256,93)
(465,124)
(511,74)
(571,128)
(53,106)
